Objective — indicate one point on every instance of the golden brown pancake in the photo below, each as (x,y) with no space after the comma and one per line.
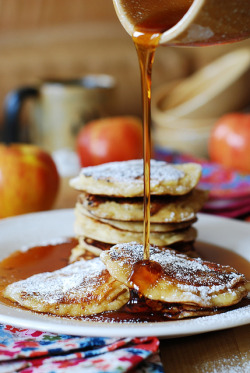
(125,179)
(174,311)
(137,226)
(87,248)
(82,288)
(164,209)
(95,229)
(175,278)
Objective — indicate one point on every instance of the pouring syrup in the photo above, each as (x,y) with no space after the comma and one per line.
(150,19)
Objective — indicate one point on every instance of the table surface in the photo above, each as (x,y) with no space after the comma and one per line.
(225,351)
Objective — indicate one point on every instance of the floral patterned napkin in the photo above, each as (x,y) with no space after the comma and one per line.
(31,351)
(229,191)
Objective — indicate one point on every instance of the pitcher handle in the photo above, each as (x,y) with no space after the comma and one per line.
(12,108)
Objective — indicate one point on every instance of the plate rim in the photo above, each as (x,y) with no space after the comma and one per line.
(170,329)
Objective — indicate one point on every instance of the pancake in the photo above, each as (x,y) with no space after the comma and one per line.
(81,251)
(175,278)
(172,311)
(95,229)
(164,209)
(88,247)
(125,179)
(137,226)
(82,288)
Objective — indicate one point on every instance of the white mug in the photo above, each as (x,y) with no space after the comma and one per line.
(60,108)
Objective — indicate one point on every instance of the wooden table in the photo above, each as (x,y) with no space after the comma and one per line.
(215,352)
(226,351)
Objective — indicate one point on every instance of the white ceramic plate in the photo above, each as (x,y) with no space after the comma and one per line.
(33,229)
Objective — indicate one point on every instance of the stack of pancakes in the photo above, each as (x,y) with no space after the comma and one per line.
(109,209)
(171,285)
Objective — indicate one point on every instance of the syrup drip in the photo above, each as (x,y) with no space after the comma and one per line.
(144,274)
(146,59)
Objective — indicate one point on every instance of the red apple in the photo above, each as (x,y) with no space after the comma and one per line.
(29,180)
(230,142)
(110,139)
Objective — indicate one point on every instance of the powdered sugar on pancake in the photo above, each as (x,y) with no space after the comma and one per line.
(133,171)
(82,288)
(126,179)
(198,281)
(51,287)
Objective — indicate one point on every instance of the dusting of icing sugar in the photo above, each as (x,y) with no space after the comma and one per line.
(75,280)
(133,171)
(192,275)
(231,364)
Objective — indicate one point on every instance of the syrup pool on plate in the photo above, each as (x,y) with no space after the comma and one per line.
(22,264)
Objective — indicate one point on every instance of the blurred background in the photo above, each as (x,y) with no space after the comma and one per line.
(63,39)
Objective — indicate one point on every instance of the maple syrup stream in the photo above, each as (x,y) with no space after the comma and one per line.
(157,16)
(146,59)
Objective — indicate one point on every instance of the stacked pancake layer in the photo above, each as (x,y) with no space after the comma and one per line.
(109,209)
